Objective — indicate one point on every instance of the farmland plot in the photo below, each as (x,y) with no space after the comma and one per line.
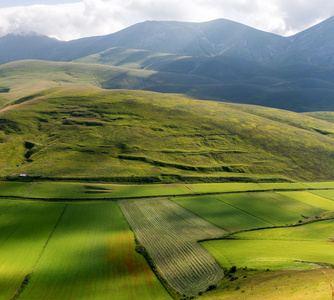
(220,213)
(91,255)
(310,199)
(328,194)
(170,234)
(24,229)
(295,248)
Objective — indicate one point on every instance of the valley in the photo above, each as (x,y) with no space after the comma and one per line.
(169,160)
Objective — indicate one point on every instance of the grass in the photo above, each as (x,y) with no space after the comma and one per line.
(24,229)
(320,185)
(296,248)
(310,199)
(220,213)
(91,256)
(87,133)
(91,190)
(288,204)
(325,194)
(8,188)
(287,285)
(267,212)
(240,211)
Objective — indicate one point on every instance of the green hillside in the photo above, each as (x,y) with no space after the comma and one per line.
(93,133)
(323,115)
(23,78)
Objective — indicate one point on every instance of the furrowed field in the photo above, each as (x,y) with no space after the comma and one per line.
(170,234)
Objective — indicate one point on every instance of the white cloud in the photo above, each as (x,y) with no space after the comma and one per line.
(97,17)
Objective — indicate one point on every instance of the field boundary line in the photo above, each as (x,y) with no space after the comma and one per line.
(26,280)
(46,199)
(244,211)
(325,197)
(230,234)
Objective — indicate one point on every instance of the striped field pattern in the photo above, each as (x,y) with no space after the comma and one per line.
(170,234)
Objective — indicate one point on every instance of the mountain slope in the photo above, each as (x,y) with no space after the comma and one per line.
(313,46)
(24,78)
(213,38)
(94,133)
(230,83)
(29,46)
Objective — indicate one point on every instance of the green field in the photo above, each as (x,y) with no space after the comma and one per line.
(311,199)
(296,248)
(89,190)
(243,187)
(86,250)
(86,253)
(239,211)
(24,229)
(328,194)
(220,213)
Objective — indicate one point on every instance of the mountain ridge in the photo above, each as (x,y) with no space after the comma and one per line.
(216,60)
(211,38)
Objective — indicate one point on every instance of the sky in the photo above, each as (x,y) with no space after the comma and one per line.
(73,19)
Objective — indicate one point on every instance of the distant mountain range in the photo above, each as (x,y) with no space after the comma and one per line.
(241,63)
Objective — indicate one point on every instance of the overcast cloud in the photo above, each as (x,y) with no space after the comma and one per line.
(72,20)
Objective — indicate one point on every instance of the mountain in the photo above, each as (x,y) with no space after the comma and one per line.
(218,37)
(297,93)
(26,46)
(217,60)
(313,46)
(208,39)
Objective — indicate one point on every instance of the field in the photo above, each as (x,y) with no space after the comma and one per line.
(239,211)
(86,250)
(279,263)
(311,199)
(75,251)
(91,190)
(170,234)
(272,253)
(24,229)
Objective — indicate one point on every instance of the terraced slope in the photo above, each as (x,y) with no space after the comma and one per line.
(170,234)
(151,137)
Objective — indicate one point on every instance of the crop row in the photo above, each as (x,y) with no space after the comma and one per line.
(170,234)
